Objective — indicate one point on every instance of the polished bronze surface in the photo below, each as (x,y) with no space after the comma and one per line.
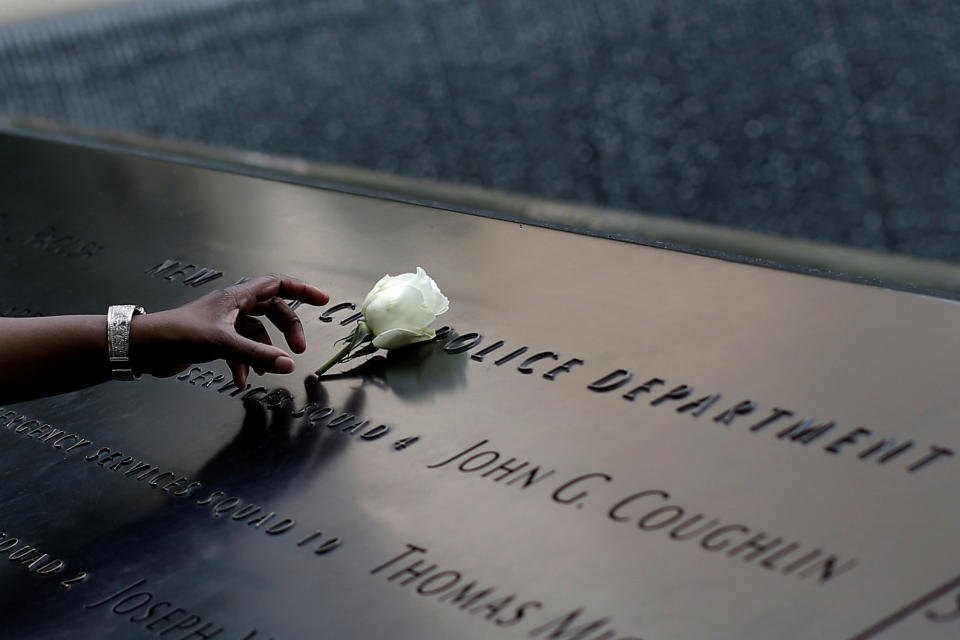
(611,440)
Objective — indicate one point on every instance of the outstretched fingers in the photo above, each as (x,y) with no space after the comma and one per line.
(286,319)
(250,327)
(248,344)
(260,356)
(252,295)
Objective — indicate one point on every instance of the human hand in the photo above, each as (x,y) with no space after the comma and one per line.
(222,324)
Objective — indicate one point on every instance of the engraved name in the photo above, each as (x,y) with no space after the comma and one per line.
(163,617)
(653,510)
(412,571)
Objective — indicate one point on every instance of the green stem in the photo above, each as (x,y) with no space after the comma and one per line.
(352,341)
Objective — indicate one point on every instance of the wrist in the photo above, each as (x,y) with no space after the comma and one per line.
(119,323)
(155,344)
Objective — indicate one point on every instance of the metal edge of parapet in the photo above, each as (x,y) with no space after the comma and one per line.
(927,277)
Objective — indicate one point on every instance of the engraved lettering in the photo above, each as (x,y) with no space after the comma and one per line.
(110,458)
(775,415)
(50,436)
(50,567)
(80,443)
(182,271)
(707,541)
(151,612)
(202,276)
(510,356)
(770,562)
(828,569)
(327,315)
(646,387)
(579,497)
(280,527)
(611,381)
(741,409)
(677,393)
(113,596)
(57,444)
(202,377)
(525,366)
(479,356)
(650,522)
(945,616)
(531,478)
(327,546)
(413,571)
(189,372)
(463,343)
(759,545)
(132,602)
(613,513)
(68,584)
(458,455)
(224,506)
(96,455)
(505,467)
(188,489)
(213,496)
(351,319)
(790,568)
(563,368)
(156,481)
(850,438)
(805,431)
(465,597)
(561,627)
(167,617)
(486,458)
(446,579)
(700,406)
(156,270)
(887,448)
(122,463)
(935,453)
(376,432)
(677,533)
(411,549)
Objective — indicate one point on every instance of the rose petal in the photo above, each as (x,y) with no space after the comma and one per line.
(396,338)
(432,298)
(397,308)
(382,283)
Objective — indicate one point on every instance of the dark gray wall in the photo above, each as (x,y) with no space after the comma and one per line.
(826,120)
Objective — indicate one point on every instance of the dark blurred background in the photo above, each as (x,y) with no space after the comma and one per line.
(821,120)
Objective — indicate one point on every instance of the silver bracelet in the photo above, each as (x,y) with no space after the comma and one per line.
(119,317)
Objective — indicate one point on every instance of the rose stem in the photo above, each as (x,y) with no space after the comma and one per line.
(351,343)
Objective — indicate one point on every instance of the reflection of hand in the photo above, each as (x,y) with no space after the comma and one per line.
(222,324)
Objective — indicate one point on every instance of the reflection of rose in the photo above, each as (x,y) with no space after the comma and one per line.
(400,309)
(420,372)
(415,374)
(397,312)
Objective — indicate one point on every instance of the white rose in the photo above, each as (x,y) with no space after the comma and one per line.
(399,309)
